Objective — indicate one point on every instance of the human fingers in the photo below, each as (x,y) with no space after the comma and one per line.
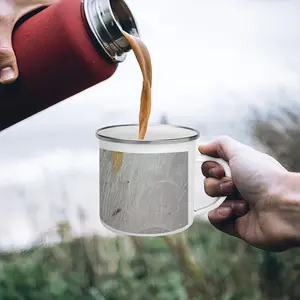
(218,187)
(212,169)
(223,147)
(224,218)
(8,63)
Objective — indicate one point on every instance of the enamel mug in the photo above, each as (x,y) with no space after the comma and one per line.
(151,187)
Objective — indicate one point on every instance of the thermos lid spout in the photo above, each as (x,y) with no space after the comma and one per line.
(107,19)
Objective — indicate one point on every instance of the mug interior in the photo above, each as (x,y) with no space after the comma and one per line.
(155,133)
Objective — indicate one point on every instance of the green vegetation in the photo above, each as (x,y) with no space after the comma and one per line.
(144,268)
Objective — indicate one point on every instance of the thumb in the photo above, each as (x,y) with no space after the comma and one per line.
(8,64)
(223,147)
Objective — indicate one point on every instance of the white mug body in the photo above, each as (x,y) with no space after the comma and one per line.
(148,188)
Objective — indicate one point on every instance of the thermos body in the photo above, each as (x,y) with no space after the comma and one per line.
(63,50)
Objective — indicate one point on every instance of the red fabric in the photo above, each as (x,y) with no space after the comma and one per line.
(56,59)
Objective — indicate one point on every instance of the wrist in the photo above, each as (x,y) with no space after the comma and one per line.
(287,197)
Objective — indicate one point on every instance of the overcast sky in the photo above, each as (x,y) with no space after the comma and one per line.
(212,60)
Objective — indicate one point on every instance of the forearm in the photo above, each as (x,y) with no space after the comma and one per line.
(288,199)
(289,190)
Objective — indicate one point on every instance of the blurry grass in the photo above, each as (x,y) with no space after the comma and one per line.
(93,267)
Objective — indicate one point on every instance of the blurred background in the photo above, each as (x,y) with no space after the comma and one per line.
(222,66)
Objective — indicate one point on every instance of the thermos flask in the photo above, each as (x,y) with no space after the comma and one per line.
(62,50)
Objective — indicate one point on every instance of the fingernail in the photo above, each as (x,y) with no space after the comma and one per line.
(226,188)
(213,172)
(224,211)
(7,74)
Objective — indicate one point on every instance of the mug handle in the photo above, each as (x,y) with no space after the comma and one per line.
(201,159)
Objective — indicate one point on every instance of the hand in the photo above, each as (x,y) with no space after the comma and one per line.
(263,209)
(10,12)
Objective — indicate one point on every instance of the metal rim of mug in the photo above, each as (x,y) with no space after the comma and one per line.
(157,142)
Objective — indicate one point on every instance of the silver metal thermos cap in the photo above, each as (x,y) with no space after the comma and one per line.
(106,20)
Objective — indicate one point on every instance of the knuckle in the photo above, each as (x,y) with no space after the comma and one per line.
(7,57)
(222,139)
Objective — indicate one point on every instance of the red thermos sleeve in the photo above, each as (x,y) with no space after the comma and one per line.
(56,59)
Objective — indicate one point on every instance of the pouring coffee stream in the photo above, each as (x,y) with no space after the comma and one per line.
(143,57)
(144,60)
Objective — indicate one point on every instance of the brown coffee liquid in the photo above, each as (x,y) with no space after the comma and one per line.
(143,57)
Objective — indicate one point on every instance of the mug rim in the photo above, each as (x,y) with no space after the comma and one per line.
(193,137)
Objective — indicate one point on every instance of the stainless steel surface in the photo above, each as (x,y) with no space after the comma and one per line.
(107,19)
(146,193)
(100,135)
